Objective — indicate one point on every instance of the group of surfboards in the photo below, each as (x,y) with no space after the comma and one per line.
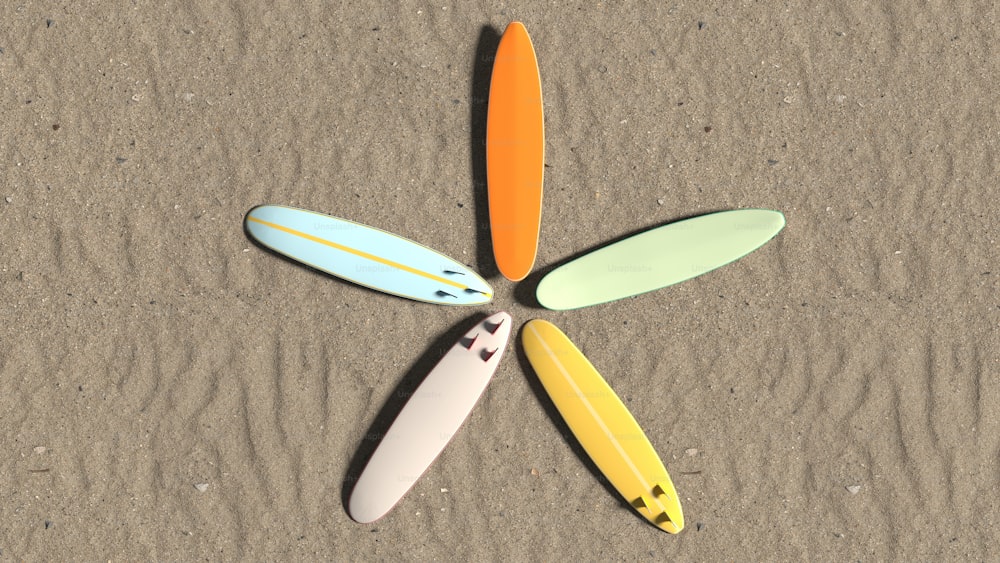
(644,262)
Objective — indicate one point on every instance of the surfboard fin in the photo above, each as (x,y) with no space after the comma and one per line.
(487,354)
(444,293)
(469,342)
(467,289)
(660,490)
(676,521)
(662,518)
(493,328)
(664,522)
(643,503)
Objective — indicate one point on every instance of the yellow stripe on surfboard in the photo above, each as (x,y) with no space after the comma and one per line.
(360,253)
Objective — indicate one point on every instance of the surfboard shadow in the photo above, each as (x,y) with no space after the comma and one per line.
(390,410)
(482,72)
(524,291)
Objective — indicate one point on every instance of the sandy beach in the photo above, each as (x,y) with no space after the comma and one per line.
(171,391)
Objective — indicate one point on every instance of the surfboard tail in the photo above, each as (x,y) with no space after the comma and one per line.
(672,518)
(661,508)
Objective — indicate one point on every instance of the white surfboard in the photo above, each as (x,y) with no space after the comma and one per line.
(430,418)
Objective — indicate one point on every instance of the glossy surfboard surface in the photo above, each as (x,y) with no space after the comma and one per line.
(366,256)
(515,153)
(658,257)
(430,418)
(603,425)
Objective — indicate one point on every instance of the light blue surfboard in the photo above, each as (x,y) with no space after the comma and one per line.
(366,256)
(658,257)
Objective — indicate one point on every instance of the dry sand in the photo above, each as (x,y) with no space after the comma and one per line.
(148,346)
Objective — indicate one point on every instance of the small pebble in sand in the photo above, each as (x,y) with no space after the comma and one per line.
(659,201)
(853,489)
(8,199)
(202,487)
(444,490)
(691,451)
(40,449)
(534,472)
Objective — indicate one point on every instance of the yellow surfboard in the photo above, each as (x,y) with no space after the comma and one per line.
(603,425)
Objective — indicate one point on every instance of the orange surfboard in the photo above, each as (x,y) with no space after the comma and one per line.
(515,153)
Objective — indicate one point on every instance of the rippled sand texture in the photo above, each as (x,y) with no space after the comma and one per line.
(148,347)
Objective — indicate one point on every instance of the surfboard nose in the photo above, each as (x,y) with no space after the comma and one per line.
(364,511)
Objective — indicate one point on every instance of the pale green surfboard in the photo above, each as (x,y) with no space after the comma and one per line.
(658,257)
